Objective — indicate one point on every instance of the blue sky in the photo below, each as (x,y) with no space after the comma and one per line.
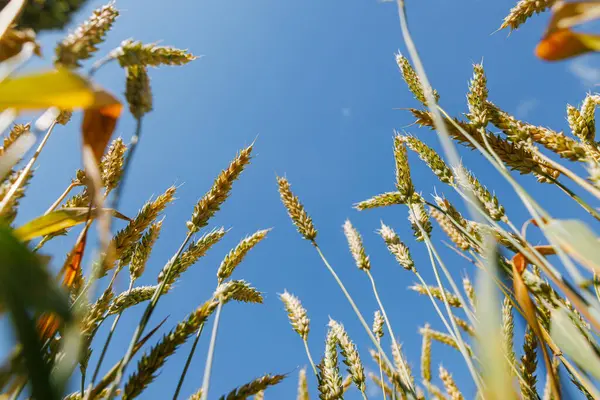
(317,83)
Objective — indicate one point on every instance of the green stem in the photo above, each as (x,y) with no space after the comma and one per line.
(457,335)
(108,339)
(357,311)
(310,359)
(146,317)
(404,370)
(381,375)
(211,353)
(188,361)
(578,199)
(61,198)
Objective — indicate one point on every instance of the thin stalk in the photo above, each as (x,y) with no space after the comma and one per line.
(146,317)
(132,147)
(357,312)
(389,327)
(107,342)
(211,353)
(567,172)
(61,198)
(458,337)
(99,64)
(381,374)
(364,395)
(310,359)
(354,307)
(578,199)
(188,362)
(21,179)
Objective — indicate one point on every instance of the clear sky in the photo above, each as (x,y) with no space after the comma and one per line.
(317,83)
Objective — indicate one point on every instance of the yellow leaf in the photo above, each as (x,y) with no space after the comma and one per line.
(56,221)
(56,88)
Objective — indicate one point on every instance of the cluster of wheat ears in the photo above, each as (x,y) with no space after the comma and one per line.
(553,287)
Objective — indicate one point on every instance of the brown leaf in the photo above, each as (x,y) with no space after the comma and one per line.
(519,264)
(564,43)
(99,124)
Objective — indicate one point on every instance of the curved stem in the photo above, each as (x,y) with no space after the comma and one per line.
(21,179)
(211,353)
(310,359)
(404,371)
(99,64)
(188,362)
(61,198)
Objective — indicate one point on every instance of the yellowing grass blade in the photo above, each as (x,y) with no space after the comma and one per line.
(56,221)
(57,88)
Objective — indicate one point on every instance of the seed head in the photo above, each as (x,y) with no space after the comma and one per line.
(81,44)
(138,91)
(296,210)
(237,255)
(356,247)
(296,314)
(135,53)
(208,205)
(350,354)
(378,323)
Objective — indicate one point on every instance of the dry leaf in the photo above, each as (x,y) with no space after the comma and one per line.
(519,264)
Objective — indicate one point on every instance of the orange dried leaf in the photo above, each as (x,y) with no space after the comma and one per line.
(564,43)
(72,268)
(99,124)
(519,264)
(47,325)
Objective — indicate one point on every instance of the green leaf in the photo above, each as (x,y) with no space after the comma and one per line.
(58,220)
(578,240)
(572,342)
(26,288)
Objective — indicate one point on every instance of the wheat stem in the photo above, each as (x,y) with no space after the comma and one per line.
(457,335)
(381,374)
(310,359)
(61,198)
(188,361)
(354,307)
(389,327)
(25,171)
(107,342)
(211,353)
(592,211)
(126,164)
(567,172)
(146,317)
